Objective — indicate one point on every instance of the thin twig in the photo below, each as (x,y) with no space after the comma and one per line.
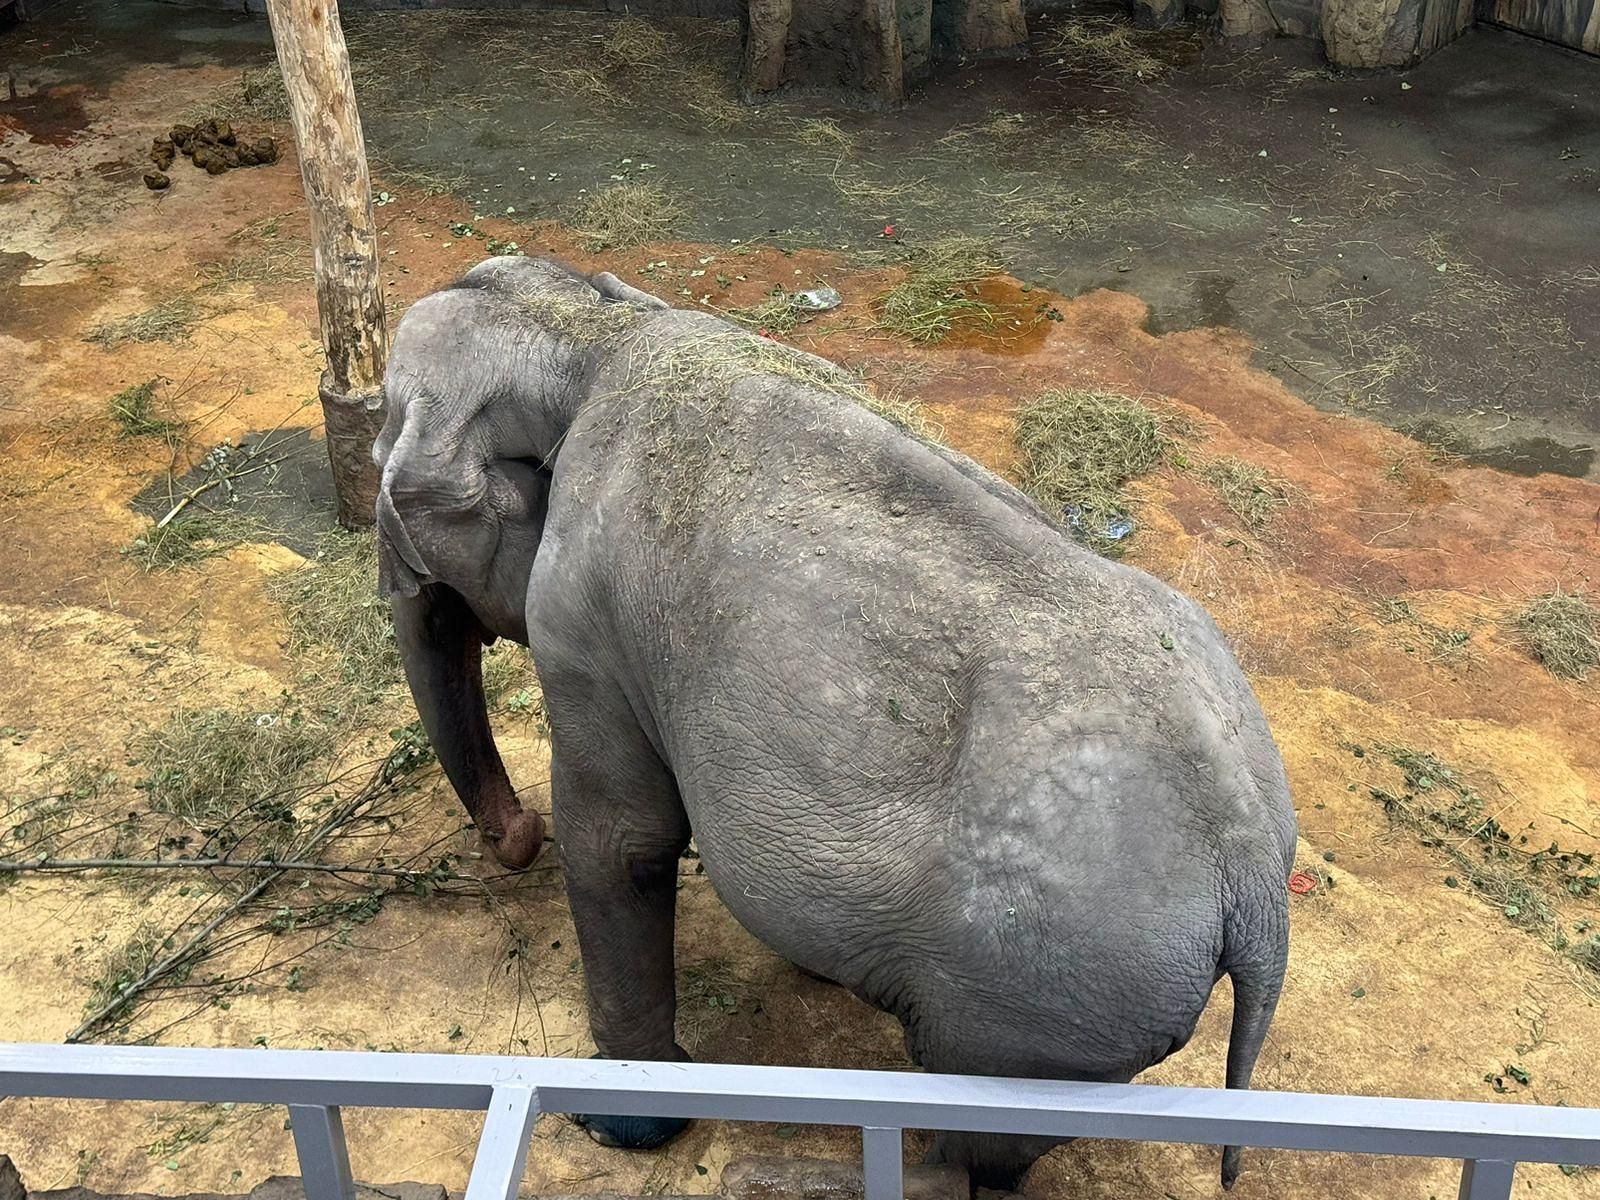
(11,866)
(217,481)
(195,945)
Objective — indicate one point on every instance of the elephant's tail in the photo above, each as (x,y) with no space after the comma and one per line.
(1255,954)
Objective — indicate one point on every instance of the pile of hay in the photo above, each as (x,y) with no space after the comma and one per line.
(940,291)
(629,214)
(1563,631)
(169,321)
(1080,449)
(1252,493)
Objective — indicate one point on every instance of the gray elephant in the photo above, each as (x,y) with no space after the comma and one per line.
(929,747)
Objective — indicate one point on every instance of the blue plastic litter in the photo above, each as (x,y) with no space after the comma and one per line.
(1116,528)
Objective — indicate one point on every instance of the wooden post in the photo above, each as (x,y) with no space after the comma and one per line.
(333,167)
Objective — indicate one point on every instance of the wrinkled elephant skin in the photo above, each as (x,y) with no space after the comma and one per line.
(929,747)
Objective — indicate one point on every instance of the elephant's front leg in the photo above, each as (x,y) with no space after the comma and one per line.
(441,645)
(621,830)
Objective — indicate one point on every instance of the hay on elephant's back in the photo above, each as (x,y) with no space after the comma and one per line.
(701,372)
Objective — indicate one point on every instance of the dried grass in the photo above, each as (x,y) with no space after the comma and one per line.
(189,539)
(1563,631)
(826,135)
(634,44)
(778,313)
(1251,493)
(169,321)
(1108,49)
(708,992)
(1123,143)
(939,291)
(229,775)
(267,256)
(133,410)
(335,615)
(1041,203)
(1080,448)
(1443,643)
(258,93)
(629,214)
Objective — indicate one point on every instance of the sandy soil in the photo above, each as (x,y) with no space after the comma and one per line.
(1399,984)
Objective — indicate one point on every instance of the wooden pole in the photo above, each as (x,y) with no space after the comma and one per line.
(333,167)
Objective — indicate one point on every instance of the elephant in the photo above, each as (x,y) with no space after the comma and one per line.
(928,746)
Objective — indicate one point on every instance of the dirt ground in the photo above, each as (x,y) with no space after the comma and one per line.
(1403,980)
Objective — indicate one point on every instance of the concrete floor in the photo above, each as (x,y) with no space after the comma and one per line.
(1421,246)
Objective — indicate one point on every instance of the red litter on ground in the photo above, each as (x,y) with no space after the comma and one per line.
(1302,884)
(888,231)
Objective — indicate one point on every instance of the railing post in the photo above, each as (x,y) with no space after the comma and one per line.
(1486,1179)
(324,1158)
(503,1148)
(882,1163)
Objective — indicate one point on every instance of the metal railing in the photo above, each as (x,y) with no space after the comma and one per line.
(1490,1139)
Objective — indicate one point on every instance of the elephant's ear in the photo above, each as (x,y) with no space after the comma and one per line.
(612,288)
(401,571)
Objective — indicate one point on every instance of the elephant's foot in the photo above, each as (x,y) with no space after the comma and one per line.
(993,1161)
(520,840)
(631,1133)
(634,1133)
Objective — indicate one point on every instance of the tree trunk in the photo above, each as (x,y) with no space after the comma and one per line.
(872,50)
(333,167)
(1389,33)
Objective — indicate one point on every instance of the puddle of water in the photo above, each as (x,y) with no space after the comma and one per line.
(290,500)
(1525,456)
(1537,456)
(54,117)
(1212,303)
(1021,321)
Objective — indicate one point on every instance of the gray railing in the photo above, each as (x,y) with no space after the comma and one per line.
(1489,1139)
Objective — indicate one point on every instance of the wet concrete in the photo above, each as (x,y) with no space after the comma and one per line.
(277,481)
(1523,456)
(1426,250)
(53,117)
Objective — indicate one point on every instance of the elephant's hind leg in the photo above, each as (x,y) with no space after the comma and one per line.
(620,829)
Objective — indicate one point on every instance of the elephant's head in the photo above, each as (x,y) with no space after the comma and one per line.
(483,381)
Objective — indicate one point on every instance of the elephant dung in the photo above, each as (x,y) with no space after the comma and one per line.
(768,1177)
(213,146)
(156,181)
